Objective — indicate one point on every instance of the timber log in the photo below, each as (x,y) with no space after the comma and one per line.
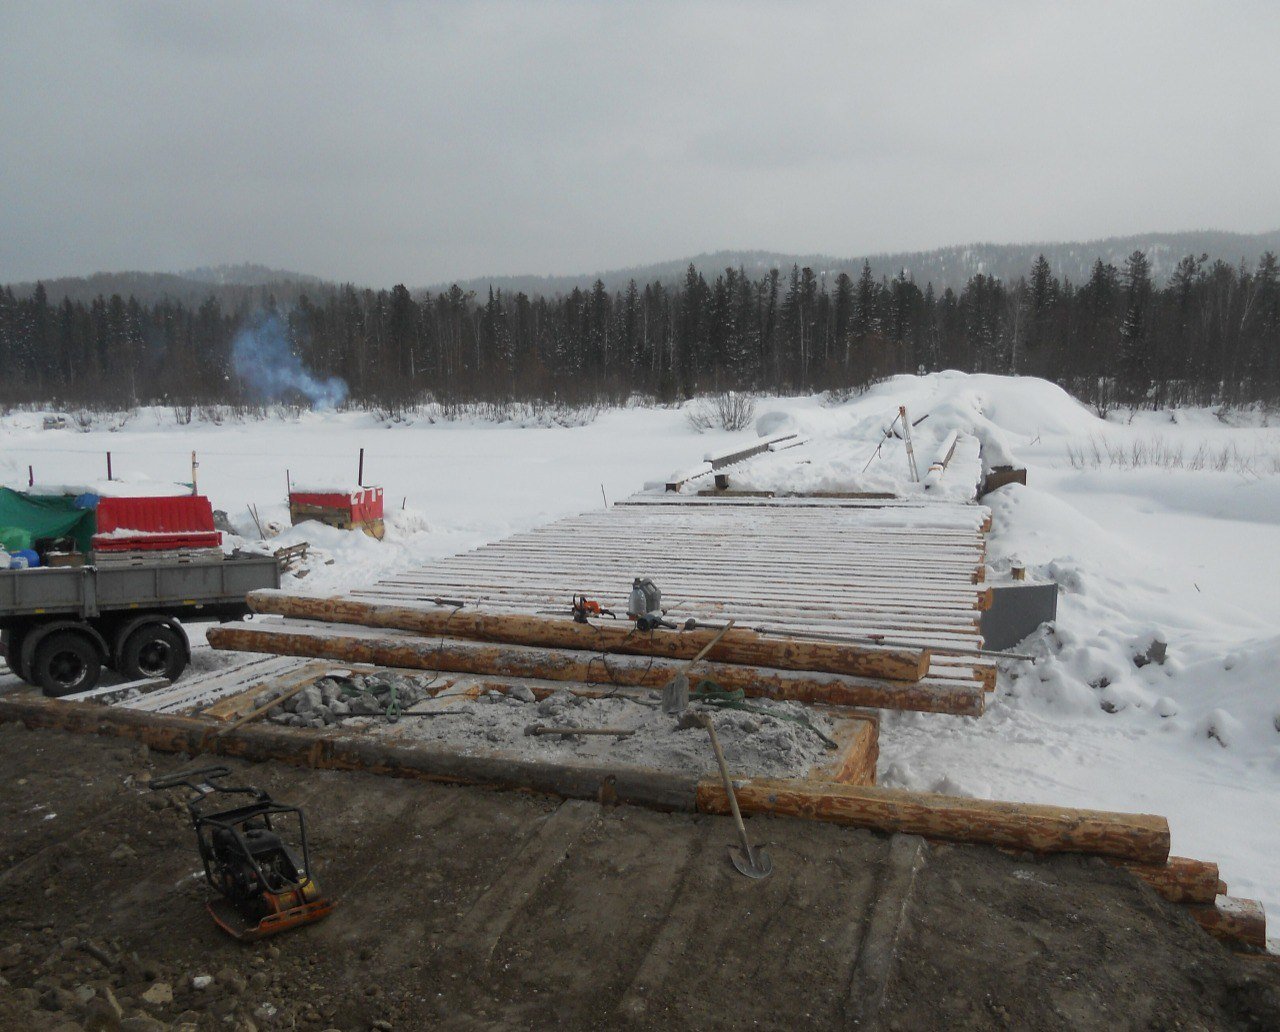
(738,645)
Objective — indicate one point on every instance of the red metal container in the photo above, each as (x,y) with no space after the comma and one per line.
(152,524)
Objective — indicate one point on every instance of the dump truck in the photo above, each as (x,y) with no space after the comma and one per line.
(61,626)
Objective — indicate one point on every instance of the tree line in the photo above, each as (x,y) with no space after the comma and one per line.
(1209,335)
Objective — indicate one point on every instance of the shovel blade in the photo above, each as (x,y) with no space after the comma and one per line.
(675,694)
(756,864)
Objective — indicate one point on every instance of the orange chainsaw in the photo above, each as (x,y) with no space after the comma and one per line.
(584,609)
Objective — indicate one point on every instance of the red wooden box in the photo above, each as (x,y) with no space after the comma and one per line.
(359,508)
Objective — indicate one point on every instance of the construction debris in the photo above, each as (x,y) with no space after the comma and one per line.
(333,700)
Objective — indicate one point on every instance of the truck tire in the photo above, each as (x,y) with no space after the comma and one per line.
(153,650)
(65,662)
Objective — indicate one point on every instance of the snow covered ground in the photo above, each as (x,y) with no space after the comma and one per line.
(1146,535)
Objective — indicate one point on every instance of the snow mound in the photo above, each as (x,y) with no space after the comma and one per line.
(771,423)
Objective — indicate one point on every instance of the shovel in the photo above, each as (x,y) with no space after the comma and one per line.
(675,693)
(754,863)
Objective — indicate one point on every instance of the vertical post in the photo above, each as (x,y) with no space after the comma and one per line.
(195,466)
(109,477)
(31,476)
(288,485)
(360,472)
(906,436)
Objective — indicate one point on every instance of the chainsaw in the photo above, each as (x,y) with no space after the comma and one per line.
(264,886)
(584,609)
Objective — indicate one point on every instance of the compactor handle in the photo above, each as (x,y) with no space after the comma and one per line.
(192,779)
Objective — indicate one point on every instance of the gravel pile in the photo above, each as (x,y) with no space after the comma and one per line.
(334,700)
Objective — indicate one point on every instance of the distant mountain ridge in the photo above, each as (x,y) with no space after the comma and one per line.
(191,287)
(943,267)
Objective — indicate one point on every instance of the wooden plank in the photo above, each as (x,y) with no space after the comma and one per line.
(823,559)
(1143,838)
(711,571)
(684,605)
(721,460)
(795,501)
(714,571)
(855,764)
(954,609)
(232,707)
(399,649)
(764,534)
(197,691)
(734,646)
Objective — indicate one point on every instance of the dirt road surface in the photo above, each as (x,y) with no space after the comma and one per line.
(468,909)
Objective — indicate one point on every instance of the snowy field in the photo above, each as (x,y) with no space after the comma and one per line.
(1163,526)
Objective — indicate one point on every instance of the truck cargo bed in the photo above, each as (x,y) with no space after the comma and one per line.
(89,591)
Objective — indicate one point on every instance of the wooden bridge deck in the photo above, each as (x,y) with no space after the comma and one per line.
(894,570)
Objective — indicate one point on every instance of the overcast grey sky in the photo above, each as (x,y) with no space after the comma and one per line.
(413,142)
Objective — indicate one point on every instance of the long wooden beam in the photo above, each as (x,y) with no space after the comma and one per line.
(1042,829)
(1143,838)
(356,751)
(397,649)
(735,646)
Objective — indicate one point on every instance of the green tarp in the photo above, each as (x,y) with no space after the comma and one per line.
(26,518)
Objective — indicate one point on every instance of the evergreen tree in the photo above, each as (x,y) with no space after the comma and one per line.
(1135,343)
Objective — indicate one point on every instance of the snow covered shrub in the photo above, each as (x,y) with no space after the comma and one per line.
(736,411)
(729,410)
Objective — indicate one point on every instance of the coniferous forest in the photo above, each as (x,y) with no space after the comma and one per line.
(1210,334)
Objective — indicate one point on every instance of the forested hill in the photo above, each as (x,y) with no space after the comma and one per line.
(945,267)
(230,284)
(234,285)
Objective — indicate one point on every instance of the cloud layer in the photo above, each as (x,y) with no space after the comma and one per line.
(387,142)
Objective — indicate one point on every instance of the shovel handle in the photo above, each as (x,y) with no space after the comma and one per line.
(728,788)
(709,646)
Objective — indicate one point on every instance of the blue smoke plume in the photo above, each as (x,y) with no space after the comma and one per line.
(264,361)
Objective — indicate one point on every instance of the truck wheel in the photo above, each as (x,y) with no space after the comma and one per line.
(65,662)
(153,650)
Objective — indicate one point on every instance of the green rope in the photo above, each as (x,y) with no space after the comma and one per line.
(711,694)
(393,710)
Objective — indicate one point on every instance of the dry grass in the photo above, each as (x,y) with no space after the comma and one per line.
(1159,452)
